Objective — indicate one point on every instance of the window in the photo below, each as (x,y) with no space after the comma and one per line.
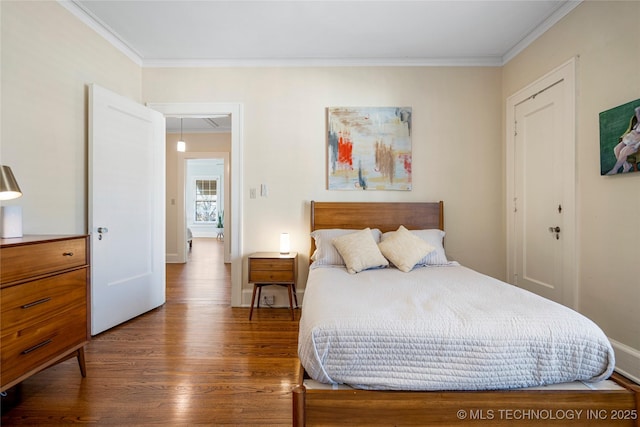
(206,200)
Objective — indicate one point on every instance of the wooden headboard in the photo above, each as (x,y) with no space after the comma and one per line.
(381,215)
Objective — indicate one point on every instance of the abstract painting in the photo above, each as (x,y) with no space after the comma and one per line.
(369,148)
(620,139)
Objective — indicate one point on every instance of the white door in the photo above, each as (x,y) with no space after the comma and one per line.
(126,208)
(543,208)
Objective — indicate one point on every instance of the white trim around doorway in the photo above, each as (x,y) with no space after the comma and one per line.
(234,215)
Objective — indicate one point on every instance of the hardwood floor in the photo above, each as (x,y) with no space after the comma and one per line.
(194,360)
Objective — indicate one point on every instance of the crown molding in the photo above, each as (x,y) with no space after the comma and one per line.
(560,13)
(77,10)
(493,61)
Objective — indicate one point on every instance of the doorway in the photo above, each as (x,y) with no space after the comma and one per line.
(206,196)
(233,211)
(541,207)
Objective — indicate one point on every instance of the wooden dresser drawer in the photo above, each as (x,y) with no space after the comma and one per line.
(26,349)
(41,299)
(25,261)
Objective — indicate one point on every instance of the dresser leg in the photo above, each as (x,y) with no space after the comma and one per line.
(83,367)
(11,398)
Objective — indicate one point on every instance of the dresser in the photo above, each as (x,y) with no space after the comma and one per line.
(44,294)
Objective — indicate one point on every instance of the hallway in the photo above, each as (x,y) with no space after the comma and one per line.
(204,277)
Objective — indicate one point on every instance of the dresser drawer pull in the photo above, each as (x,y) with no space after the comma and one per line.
(67,254)
(37,346)
(40,301)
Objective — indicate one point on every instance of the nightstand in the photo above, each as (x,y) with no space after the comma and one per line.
(273,268)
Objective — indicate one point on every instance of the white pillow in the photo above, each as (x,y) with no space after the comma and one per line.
(404,249)
(434,238)
(325,253)
(359,251)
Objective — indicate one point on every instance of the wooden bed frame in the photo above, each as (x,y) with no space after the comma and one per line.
(331,407)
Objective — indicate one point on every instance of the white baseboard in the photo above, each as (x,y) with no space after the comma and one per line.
(627,360)
(171,258)
(207,234)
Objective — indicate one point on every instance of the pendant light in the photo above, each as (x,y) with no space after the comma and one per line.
(182,146)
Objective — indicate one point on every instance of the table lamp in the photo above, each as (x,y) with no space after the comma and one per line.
(11,215)
(284,244)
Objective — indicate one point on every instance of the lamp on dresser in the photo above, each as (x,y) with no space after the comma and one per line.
(11,215)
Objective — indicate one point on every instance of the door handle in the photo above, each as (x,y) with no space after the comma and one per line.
(555,230)
(101,231)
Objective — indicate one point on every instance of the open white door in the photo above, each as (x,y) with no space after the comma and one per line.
(126,208)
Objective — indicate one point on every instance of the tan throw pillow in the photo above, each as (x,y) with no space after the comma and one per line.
(404,249)
(325,253)
(359,251)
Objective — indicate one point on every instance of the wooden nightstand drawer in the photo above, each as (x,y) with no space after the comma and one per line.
(271,270)
(260,276)
(26,349)
(271,264)
(38,300)
(25,261)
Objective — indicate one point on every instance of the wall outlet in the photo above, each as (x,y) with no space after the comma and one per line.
(268,299)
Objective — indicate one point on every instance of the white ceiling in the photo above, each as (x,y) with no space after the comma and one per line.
(192,33)
(316,32)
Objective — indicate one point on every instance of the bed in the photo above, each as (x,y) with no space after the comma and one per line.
(351,376)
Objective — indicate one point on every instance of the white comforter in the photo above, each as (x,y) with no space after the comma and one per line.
(442,328)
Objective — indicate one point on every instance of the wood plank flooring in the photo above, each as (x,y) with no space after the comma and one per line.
(194,360)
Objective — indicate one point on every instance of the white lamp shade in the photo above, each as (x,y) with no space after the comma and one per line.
(285,245)
(182,146)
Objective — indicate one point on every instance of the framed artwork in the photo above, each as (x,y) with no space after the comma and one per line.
(369,148)
(620,139)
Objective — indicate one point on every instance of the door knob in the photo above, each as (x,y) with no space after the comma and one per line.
(101,231)
(555,229)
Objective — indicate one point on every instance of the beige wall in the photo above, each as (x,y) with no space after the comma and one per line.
(457,153)
(604,37)
(48,59)
(198,143)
